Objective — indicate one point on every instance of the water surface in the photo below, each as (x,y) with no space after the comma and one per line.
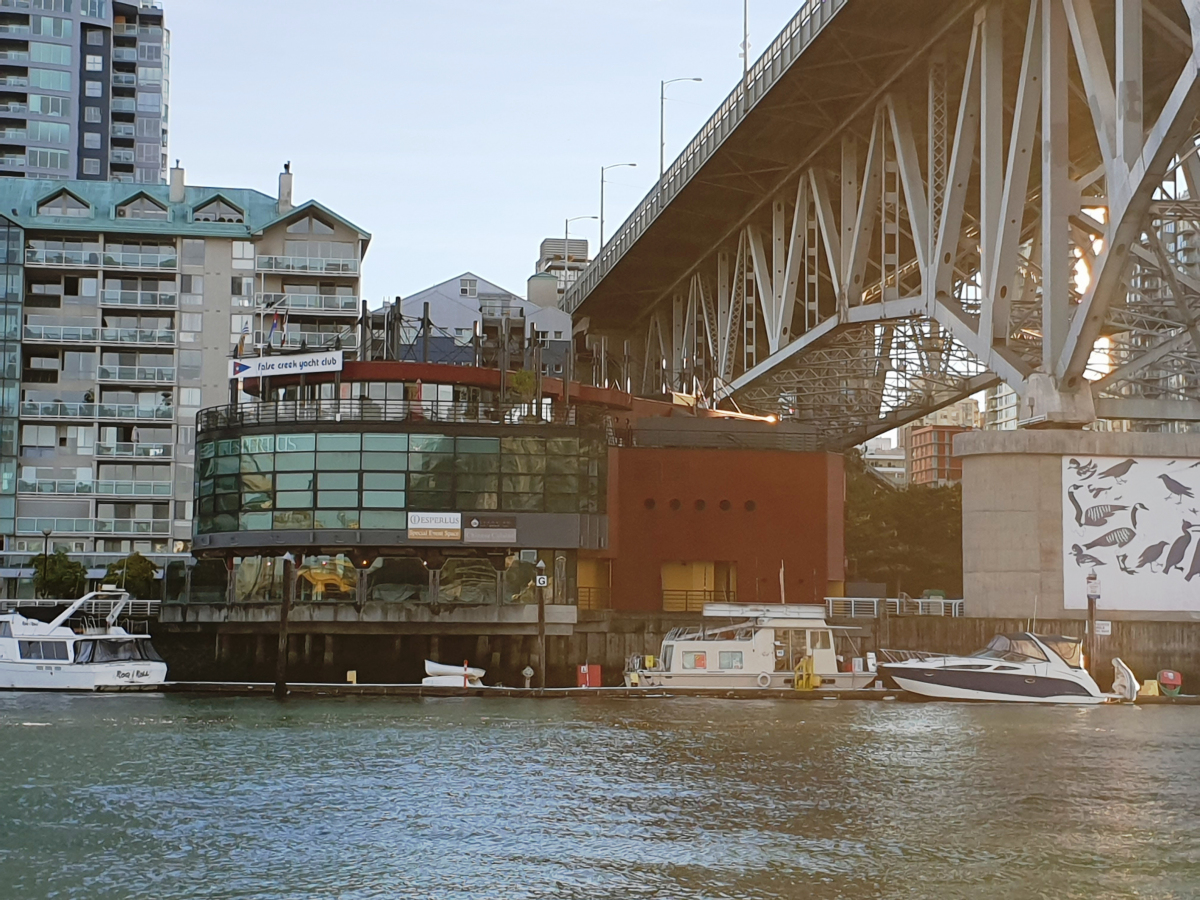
(168,797)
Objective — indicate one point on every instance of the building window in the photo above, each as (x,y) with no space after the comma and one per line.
(50,106)
(91,167)
(468,287)
(241,287)
(48,159)
(94,63)
(91,140)
(93,89)
(191,321)
(55,54)
(243,255)
(150,75)
(50,80)
(310,225)
(51,26)
(95,38)
(147,102)
(148,153)
(49,132)
(142,208)
(218,211)
(94,9)
(91,114)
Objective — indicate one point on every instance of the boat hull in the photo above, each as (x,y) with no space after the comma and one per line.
(841,681)
(51,676)
(948,684)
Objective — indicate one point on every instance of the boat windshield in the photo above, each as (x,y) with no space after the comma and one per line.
(99,651)
(1012,648)
(1069,648)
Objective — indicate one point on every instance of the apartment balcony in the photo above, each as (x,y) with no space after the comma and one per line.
(94,526)
(119,412)
(494,309)
(12,162)
(89,259)
(72,487)
(121,156)
(14,109)
(124,79)
(332,303)
(12,28)
(139,298)
(123,130)
(308,264)
(14,134)
(123,104)
(70,334)
(168,260)
(138,374)
(128,450)
(125,54)
(309,340)
(15,56)
(14,4)
(14,81)
(138,30)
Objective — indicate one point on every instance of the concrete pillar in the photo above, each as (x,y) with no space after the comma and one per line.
(434,648)
(308,648)
(327,661)
(260,649)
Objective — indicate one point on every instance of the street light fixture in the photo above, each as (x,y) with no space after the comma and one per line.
(46,532)
(566,244)
(662,113)
(604,169)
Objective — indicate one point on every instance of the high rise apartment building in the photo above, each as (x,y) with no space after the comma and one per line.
(123,305)
(83,90)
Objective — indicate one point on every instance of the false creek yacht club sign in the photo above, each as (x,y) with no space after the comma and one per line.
(447,526)
(295,364)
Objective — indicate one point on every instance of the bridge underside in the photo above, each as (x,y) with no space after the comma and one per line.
(908,203)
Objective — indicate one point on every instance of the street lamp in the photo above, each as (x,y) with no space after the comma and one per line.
(662,134)
(566,243)
(604,169)
(46,532)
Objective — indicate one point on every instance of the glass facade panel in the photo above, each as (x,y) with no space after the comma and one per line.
(337,499)
(387,462)
(294,462)
(294,481)
(329,518)
(374,518)
(337,481)
(385,442)
(339,441)
(383,499)
(338,460)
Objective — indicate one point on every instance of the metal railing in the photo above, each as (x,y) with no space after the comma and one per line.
(908,607)
(312,340)
(307,264)
(11,108)
(291,412)
(693,601)
(138,30)
(54,409)
(162,260)
(95,488)
(135,450)
(13,134)
(74,334)
(138,298)
(12,162)
(124,79)
(94,526)
(20,81)
(593,598)
(871,608)
(783,51)
(308,302)
(851,608)
(125,54)
(88,258)
(120,156)
(123,104)
(123,130)
(154,374)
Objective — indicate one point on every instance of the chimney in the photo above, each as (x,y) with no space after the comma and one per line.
(285,189)
(177,184)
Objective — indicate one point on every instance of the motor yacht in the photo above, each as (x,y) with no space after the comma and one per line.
(1018,668)
(95,656)
(758,646)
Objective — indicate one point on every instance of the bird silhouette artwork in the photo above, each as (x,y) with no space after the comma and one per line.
(1123,563)
(1178,549)
(1095,515)
(1177,490)
(1084,471)
(1084,559)
(1194,568)
(1118,537)
(1096,491)
(1151,555)
(1133,513)
(1119,471)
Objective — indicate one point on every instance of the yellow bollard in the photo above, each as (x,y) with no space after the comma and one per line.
(352,676)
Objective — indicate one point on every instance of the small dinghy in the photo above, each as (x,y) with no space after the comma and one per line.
(439,675)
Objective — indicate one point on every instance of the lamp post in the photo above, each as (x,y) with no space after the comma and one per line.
(540,587)
(46,532)
(662,119)
(566,251)
(604,169)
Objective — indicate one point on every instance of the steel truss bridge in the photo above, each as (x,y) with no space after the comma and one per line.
(907,202)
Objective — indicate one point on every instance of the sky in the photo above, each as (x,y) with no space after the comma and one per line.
(458,133)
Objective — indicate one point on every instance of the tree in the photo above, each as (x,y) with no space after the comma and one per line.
(521,386)
(134,574)
(58,576)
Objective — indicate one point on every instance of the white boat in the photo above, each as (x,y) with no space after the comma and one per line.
(766,647)
(51,656)
(1014,668)
(439,675)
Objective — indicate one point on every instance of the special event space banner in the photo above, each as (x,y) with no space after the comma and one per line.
(1135,523)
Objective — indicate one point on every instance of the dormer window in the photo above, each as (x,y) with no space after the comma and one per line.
(310,225)
(468,287)
(142,208)
(219,211)
(66,205)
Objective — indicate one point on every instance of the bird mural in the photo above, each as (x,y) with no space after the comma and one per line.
(1133,513)
(1123,563)
(1097,491)
(1194,568)
(1084,471)
(1177,490)
(1119,471)
(1118,537)
(1178,549)
(1096,515)
(1084,559)
(1151,555)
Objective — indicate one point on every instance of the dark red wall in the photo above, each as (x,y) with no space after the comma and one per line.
(797,517)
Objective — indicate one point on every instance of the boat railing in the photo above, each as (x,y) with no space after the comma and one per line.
(101,606)
(872,608)
(896,656)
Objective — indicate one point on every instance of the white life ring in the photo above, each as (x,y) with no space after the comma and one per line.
(764,679)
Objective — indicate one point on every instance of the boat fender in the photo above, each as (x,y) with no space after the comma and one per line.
(764,679)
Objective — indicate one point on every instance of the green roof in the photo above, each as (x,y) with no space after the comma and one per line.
(20,198)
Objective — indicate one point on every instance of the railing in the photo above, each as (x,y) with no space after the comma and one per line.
(123,104)
(123,130)
(167,260)
(120,156)
(313,340)
(783,51)
(594,598)
(124,79)
(496,310)
(308,264)
(19,81)
(292,412)
(324,302)
(125,54)
(96,488)
(12,162)
(14,29)
(33,409)
(89,258)
(94,526)
(138,451)
(155,374)
(870,608)
(138,30)
(14,134)
(693,601)
(72,334)
(14,108)
(138,298)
